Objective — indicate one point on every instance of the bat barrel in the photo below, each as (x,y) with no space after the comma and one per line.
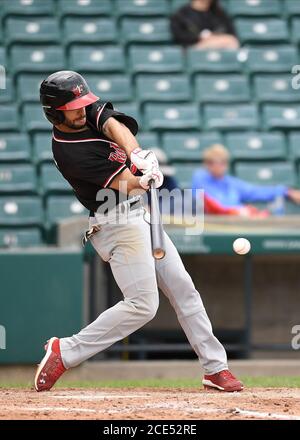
(157,233)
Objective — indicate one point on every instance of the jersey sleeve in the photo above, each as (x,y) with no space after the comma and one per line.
(102,171)
(99,112)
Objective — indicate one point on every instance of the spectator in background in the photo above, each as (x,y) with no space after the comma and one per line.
(204,25)
(229,195)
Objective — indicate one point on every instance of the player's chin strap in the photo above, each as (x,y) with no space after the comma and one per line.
(89,233)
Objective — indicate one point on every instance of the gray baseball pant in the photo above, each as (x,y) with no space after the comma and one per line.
(127,248)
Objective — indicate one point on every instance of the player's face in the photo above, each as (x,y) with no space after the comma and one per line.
(201,4)
(75,119)
(217,167)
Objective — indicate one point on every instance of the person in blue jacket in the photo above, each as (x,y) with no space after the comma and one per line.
(230,192)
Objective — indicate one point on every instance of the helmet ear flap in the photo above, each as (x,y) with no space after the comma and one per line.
(56,117)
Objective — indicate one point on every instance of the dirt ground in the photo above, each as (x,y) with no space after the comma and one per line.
(147,403)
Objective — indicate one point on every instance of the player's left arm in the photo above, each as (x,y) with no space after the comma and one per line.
(121,135)
(121,129)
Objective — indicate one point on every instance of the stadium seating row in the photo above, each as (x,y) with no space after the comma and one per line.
(22,179)
(140,7)
(63,8)
(174,116)
(184,146)
(203,88)
(23,211)
(148,59)
(95,30)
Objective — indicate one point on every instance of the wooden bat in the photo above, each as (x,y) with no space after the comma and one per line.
(157,233)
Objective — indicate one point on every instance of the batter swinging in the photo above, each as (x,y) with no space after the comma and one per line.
(95,149)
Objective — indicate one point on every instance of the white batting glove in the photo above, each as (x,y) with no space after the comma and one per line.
(153,173)
(143,159)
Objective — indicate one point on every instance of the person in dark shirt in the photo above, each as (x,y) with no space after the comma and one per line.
(204,25)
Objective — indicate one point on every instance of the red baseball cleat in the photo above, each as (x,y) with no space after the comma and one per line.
(51,367)
(223,381)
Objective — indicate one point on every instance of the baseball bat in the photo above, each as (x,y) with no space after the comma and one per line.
(157,233)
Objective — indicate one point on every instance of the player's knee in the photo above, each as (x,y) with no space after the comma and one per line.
(146,306)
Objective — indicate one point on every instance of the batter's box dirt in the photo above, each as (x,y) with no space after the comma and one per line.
(148,403)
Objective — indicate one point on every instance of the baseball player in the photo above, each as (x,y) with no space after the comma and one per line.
(95,149)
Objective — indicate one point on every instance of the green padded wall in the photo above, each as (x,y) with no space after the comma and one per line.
(41,295)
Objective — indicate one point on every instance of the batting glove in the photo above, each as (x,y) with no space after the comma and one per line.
(143,159)
(153,173)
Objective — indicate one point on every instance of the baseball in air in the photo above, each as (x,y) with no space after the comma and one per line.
(241,246)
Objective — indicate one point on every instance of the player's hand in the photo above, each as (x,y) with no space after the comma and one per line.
(143,159)
(152,173)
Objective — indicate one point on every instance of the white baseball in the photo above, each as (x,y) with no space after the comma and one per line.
(241,246)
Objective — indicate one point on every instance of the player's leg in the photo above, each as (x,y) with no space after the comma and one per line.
(128,250)
(177,285)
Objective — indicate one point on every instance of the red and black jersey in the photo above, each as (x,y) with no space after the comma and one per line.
(88,160)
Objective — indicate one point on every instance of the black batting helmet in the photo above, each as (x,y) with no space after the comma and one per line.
(64,90)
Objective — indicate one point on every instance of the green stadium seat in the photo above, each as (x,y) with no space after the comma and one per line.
(2,56)
(32,30)
(6,95)
(21,211)
(222,88)
(142,7)
(130,109)
(163,88)
(17,178)
(148,140)
(14,147)
(292,7)
(62,207)
(254,8)
(256,146)
(89,30)
(155,59)
(271,59)
(281,116)
(111,87)
(230,117)
(36,58)
(215,61)
(42,147)
(176,4)
(104,59)
(172,117)
(184,175)
(267,173)
(291,208)
(275,88)
(28,87)
(25,7)
(188,146)
(34,118)
(295,32)
(52,181)
(2,64)
(9,117)
(294,145)
(19,238)
(84,7)
(141,30)
(262,30)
